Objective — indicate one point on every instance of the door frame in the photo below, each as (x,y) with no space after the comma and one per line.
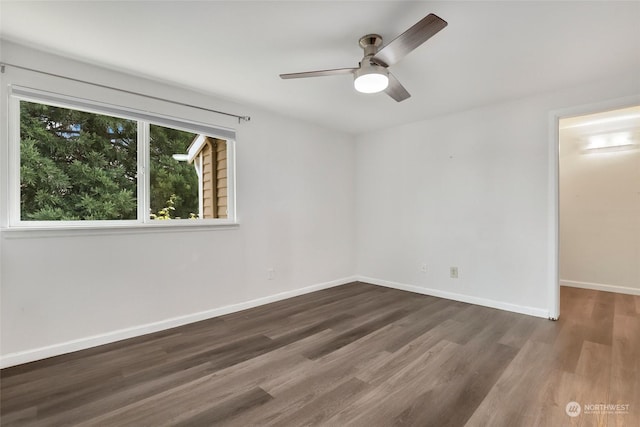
(553,289)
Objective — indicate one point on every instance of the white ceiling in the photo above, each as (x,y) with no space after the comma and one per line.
(491,51)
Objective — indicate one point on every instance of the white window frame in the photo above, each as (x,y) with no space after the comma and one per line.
(144,120)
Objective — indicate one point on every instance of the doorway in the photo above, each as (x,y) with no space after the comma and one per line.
(598,217)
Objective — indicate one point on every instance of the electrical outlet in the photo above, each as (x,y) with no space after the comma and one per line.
(271,274)
(453,272)
(423,267)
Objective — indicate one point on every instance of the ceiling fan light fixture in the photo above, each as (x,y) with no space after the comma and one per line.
(371,79)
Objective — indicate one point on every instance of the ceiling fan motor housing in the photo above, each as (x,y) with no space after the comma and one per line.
(370,43)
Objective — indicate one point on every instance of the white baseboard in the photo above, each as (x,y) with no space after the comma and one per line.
(600,287)
(17,358)
(531,311)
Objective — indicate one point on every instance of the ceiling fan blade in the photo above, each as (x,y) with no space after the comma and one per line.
(399,47)
(396,90)
(321,73)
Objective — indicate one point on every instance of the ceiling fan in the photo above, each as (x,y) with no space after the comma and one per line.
(372,74)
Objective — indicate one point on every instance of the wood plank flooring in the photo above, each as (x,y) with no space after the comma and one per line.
(354,355)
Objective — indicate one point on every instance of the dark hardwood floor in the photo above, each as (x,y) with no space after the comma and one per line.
(354,355)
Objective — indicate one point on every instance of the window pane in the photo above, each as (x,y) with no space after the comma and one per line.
(174,182)
(76,165)
(188,175)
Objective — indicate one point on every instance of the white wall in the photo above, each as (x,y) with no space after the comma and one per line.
(471,190)
(295,190)
(599,216)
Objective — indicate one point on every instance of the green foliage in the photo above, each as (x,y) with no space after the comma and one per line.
(165,213)
(76,165)
(170,179)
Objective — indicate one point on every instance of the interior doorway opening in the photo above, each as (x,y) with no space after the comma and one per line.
(598,201)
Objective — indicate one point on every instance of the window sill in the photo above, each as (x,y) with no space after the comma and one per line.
(29,232)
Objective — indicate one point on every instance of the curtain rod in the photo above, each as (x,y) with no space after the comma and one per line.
(240,118)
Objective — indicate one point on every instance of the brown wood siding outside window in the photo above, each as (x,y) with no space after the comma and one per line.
(221,177)
(214,178)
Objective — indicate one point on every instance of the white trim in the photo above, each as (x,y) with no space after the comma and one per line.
(20,357)
(553,285)
(553,295)
(112,229)
(13,166)
(143,153)
(195,147)
(600,287)
(231,180)
(197,164)
(531,311)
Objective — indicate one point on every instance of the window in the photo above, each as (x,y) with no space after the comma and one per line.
(78,163)
(188,174)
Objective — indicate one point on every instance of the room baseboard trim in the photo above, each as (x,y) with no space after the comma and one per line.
(531,311)
(600,287)
(12,359)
